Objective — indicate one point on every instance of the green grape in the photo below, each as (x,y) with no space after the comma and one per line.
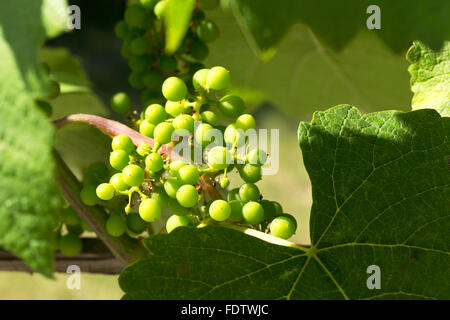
(257,157)
(135,16)
(219,210)
(147,128)
(219,158)
(116,225)
(155,113)
(70,217)
(160,195)
(278,208)
(45,107)
(199,79)
(253,212)
(163,132)
(86,227)
(143,149)
(176,208)
(138,46)
(152,79)
(236,210)
(122,142)
(54,90)
(233,195)
(154,162)
(218,78)
(187,196)
(174,89)
(167,64)
(188,174)
(176,221)
(120,102)
(119,159)
(194,67)
(233,135)
(133,175)
(249,192)
(209,4)
(88,196)
(117,182)
(174,108)
(70,245)
(209,117)
(105,191)
(232,106)
(175,166)
(135,80)
(245,122)
(282,227)
(199,50)
(135,223)
(183,121)
(77,229)
(270,211)
(45,68)
(204,134)
(171,187)
(250,173)
(224,182)
(96,173)
(159,8)
(150,210)
(148,4)
(291,217)
(138,63)
(121,29)
(207,31)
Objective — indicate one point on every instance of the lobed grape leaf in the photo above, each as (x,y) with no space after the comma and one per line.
(336,22)
(28,193)
(380,197)
(177,15)
(430,77)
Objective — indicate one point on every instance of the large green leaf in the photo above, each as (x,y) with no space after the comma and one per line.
(336,22)
(28,191)
(430,77)
(380,188)
(306,74)
(177,14)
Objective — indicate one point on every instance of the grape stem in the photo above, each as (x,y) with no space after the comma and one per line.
(113,128)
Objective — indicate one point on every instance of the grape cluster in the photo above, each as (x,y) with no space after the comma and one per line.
(150,179)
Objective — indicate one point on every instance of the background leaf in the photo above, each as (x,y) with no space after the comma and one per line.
(430,77)
(177,14)
(28,193)
(380,188)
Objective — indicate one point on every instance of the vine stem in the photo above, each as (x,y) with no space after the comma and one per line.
(113,128)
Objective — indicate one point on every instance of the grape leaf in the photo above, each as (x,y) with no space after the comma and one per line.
(380,188)
(336,23)
(430,77)
(177,14)
(28,192)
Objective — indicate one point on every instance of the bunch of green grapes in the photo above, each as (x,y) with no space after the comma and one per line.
(142,32)
(150,179)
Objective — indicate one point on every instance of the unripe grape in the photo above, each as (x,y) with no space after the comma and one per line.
(150,210)
(199,79)
(159,8)
(174,89)
(184,121)
(134,16)
(218,78)
(174,108)
(257,157)
(176,208)
(138,46)
(135,223)
(209,117)
(224,182)
(291,217)
(144,149)
(120,102)
(88,196)
(148,4)
(152,79)
(154,162)
(163,132)
(70,245)
(199,50)
(176,221)
(45,107)
(219,210)
(175,166)
(250,173)
(233,195)
(117,182)
(249,192)
(171,187)
(219,157)
(270,211)
(236,210)
(232,106)
(167,64)
(138,63)
(282,227)
(278,208)
(160,195)
(245,122)
(54,90)
(187,196)
(70,217)
(116,225)
(133,175)
(155,113)
(96,173)
(233,135)
(119,159)
(135,79)
(188,174)
(204,134)
(122,142)
(207,31)
(105,191)
(253,212)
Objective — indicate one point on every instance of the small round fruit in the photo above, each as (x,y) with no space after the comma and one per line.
(116,225)
(176,208)
(150,210)
(176,221)
(155,113)
(257,157)
(133,175)
(218,78)
(199,79)
(174,89)
(209,117)
(160,195)
(219,158)
(253,212)
(175,166)
(121,29)
(152,79)
(105,191)
(135,16)
(138,46)
(119,159)
(250,173)
(245,122)
(249,192)
(70,245)
(183,122)
(270,212)
(290,216)
(232,106)
(120,102)
(167,64)
(174,108)
(278,208)
(89,196)
(189,174)
(135,223)
(147,128)
(163,132)
(154,162)
(143,150)
(122,142)
(236,210)
(282,227)
(224,182)
(117,182)
(199,50)
(70,217)
(207,31)
(233,135)
(204,134)
(219,210)
(233,195)
(187,196)
(171,187)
